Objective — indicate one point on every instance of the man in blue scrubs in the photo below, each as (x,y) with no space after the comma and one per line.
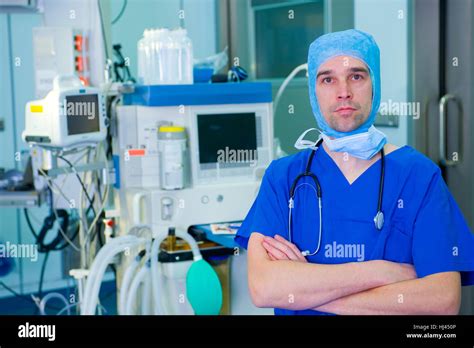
(340,261)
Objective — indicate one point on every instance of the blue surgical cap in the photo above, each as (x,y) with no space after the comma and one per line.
(353,43)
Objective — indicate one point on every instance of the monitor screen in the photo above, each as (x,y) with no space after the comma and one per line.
(227,135)
(82,113)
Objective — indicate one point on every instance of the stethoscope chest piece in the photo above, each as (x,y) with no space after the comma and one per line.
(379,220)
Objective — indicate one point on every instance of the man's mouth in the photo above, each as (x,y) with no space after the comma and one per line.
(345,110)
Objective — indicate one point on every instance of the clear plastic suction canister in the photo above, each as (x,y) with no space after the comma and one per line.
(165,57)
(143,56)
(172,151)
(185,56)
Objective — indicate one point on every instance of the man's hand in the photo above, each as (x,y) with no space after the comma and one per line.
(312,284)
(279,248)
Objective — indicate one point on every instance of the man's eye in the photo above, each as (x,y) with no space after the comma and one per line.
(357,77)
(327,80)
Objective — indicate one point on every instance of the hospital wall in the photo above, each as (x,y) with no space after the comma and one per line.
(8,217)
(389,24)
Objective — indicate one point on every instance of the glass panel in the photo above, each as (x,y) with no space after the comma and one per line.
(283,35)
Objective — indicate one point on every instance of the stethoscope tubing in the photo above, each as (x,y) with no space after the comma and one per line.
(378,219)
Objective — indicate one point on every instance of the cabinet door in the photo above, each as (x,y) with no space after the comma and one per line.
(443,75)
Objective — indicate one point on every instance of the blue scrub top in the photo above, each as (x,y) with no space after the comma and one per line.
(423,224)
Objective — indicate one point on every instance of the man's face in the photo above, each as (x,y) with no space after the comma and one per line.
(344,92)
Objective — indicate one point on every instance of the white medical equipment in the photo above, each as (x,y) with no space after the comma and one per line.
(215,143)
(60,51)
(89,298)
(70,115)
(152,287)
(218,140)
(230,141)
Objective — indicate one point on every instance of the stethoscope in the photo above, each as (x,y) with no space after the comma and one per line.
(378,219)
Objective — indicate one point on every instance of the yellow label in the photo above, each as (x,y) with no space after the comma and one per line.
(36,108)
(172,129)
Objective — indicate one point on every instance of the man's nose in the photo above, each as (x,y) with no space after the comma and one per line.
(344,92)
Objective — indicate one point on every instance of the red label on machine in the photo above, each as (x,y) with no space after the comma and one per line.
(136,152)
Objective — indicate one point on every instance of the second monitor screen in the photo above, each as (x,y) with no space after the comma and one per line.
(223,133)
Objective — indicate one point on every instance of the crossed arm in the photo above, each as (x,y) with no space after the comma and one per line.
(280,277)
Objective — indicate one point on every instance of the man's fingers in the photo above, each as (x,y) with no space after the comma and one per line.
(274,251)
(282,248)
(273,258)
(270,255)
(290,245)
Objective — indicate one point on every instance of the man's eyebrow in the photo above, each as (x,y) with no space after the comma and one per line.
(359,69)
(352,70)
(324,72)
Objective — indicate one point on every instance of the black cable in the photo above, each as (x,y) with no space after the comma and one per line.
(48,223)
(51,205)
(99,235)
(99,221)
(40,287)
(28,222)
(91,201)
(80,181)
(118,77)
(124,6)
(98,224)
(23,297)
(121,64)
(381,182)
(101,198)
(39,240)
(109,151)
(43,268)
(85,192)
(97,230)
(58,247)
(26,298)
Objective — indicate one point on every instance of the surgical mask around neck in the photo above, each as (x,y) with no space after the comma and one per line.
(363,145)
